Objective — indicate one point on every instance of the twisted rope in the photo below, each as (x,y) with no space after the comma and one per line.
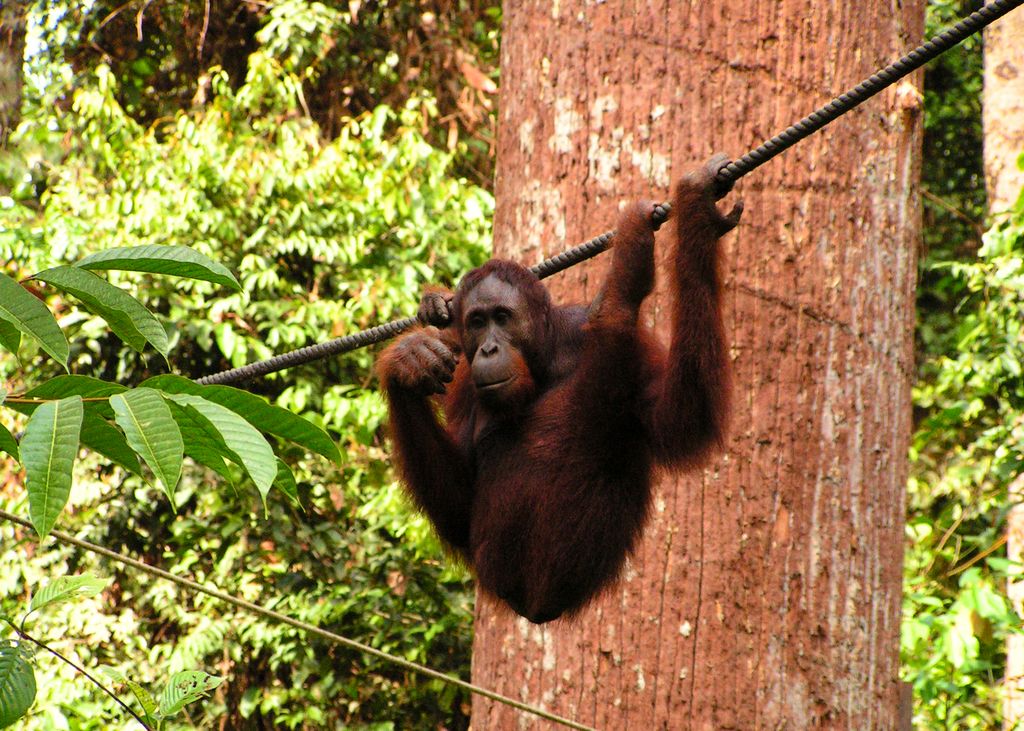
(867,89)
(310,353)
(728,175)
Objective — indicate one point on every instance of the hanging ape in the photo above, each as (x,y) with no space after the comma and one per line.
(556,417)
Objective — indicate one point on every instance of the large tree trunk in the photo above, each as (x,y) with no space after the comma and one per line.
(12,51)
(1003,110)
(1003,119)
(766,592)
(1013,701)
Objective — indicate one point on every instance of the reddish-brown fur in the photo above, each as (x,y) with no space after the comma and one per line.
(546,500)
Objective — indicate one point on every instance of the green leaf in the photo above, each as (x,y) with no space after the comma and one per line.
(176,261)
(254,409)
(48,452)
(8,443)
(10,336)
(100,436)
(146,700)
(17,684)
(127,317)
(245,444)
(202,442)
(23,310)
(285,482)
(148,426)
(67,588)
(84,386)
(63,386)
(185,687)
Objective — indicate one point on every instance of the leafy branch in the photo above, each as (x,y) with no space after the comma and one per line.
(147,430)
(17,675)
(156,424)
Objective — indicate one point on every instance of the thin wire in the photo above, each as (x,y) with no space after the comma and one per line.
(78,668)
(729,174)
(304,626)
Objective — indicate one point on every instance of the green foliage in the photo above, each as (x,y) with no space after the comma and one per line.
(952,177)
(17,673)
(977,396)
(967,449)
(17,683)
(263,416)
(953,632)
(50,443)
(342,59)
(20,309)
(177,261)
(127,318)
(147,424)
(326,236)
(183,688)
(48,452)
(233,437)
(149,428)
(66,588)
(969,404)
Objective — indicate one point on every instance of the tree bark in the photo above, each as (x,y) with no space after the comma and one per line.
(12,53)
(1003,110)
(766,592)
(1003,126)
(1013,701)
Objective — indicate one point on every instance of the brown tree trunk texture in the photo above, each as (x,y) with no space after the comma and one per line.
(1003,122)
(12,52)
(766,591)
(1013,702)
(1003,110)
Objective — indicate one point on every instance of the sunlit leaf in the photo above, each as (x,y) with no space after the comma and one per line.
(148,426)
(202,442)
(67,588)
(247,446)
(176,261)
(7,442)
(264,416)
(143,696)
(127,317)
(23,311)
(184,688)
(48,451)
(145,699)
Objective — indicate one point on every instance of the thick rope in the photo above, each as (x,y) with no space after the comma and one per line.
(728,175)
(270,614)
(311,352)
(867,88)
